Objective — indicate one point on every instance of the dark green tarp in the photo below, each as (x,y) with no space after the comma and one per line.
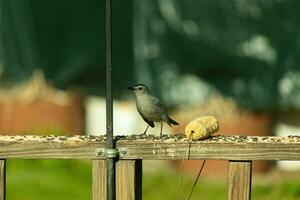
(245,49)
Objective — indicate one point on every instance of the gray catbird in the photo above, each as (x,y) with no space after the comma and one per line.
(150,107)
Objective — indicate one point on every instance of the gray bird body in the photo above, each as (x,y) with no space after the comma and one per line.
(150,107)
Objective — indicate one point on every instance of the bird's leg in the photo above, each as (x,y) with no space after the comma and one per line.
(161,126)
(146,130)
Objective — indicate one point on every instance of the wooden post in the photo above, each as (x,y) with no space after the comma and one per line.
(129,179)
(2,179)
(99,180)
(239,180)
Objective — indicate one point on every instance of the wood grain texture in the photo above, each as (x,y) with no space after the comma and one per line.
(99,179)
(239,180)
(2,179)
(155,148)
(129,179)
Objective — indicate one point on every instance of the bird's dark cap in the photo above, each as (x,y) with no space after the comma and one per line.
(136,86)
(139,84)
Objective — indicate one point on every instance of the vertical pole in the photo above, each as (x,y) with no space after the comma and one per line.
(239,180)
(99,180)
(129,179)
(111,184)
(2,179)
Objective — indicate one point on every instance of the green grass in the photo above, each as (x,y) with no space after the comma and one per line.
(286,189)
(71,180)
(164,186)
(48,179)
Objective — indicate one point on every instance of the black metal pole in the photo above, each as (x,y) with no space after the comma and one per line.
(111,183)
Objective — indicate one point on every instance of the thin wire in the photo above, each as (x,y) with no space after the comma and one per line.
(181,170)
(199,173)
(179,179)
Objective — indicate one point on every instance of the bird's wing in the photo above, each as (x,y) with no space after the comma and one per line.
(145,119)
(162,112)
(159,108)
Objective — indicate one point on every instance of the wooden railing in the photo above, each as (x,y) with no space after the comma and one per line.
(238,150)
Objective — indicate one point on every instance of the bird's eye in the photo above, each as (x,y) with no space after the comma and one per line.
(140,88)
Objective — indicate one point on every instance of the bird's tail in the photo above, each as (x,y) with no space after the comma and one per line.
(171,121)
(168,120)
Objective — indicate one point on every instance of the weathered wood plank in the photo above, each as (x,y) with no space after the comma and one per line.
(239,180)
(129,179)
(2,179)
(128,183)
(99,179)
(150,147)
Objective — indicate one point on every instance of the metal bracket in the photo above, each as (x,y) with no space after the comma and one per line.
(111,153)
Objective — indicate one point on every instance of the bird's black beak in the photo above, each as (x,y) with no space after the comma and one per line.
(130,88)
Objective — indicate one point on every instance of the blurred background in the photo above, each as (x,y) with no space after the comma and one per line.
(238,60)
